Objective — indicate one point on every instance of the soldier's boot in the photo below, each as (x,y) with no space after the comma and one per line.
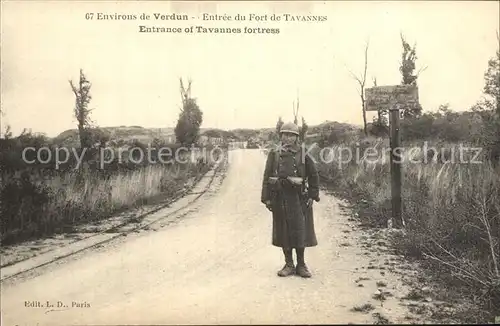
(289,268)
(302,269)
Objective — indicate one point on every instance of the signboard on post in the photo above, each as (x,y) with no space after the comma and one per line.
(393,98)
(385,97)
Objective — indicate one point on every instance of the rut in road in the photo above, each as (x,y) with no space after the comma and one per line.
(216,266)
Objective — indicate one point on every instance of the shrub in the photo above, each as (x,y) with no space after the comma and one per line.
(39,200)
(452,210)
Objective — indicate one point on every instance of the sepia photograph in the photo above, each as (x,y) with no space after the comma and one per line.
(249,162)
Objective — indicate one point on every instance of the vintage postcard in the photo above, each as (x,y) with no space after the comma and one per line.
(249,162)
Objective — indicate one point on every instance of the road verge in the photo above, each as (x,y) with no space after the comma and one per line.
(29,256)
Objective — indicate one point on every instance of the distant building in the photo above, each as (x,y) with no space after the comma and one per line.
(170,139)
(204,140)
(236,144)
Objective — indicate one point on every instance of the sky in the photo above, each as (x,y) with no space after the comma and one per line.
(239,80)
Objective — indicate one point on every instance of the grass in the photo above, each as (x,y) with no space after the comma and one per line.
(38,202)
(451,208)
(380,319)
(367,307)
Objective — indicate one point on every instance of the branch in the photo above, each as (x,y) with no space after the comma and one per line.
(366,62)
(349,70)
(421,70)
(490,241)
(190,81)
(73,88)
(356,78)
(469,266)
(462,273)
(183,90)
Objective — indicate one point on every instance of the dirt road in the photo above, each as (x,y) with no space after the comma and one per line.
(216,265)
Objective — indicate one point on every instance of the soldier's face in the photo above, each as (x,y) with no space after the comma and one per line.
(288,138)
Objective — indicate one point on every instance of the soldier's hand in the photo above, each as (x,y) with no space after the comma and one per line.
(309,203)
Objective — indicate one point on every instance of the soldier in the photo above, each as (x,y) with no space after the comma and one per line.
(289,187)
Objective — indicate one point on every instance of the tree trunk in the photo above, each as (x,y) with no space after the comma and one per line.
(81,132)
(364,114)
(81,120)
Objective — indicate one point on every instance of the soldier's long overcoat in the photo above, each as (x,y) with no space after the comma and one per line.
(293,221)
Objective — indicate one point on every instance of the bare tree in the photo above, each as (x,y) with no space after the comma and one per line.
(296,111)
(362,81)
(303,130)
(279,124)
(81,110)
(275,135)
(379,113)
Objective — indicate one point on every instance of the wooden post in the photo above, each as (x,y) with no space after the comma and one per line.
(396,177)
(383,97)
